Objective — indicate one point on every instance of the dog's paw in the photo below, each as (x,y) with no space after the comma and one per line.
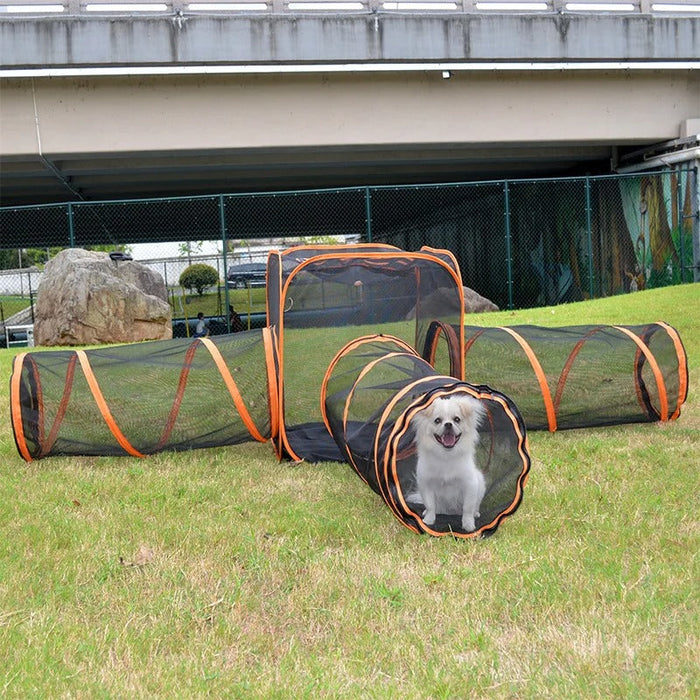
(428,518)
(468,523)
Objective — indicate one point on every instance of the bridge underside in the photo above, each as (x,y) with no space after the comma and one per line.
(98,138)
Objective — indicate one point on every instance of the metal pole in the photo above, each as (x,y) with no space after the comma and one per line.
(19,263)
(368,213)
(679,209)
(695,213)
(509,258)
(71,232)
(589,237)
(224,244)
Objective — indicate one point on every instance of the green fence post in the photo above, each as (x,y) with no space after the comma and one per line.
(224,246)
(679,209)
(589,237)
(368,213)
(509,257)
(695,219)
(71,232)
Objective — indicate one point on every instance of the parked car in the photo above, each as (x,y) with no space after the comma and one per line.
(246,275)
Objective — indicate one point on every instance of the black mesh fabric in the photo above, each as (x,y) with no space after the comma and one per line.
(582,376)
(374,388)
(321,297)
(142,398)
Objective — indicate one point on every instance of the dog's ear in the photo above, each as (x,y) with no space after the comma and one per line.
(473,410)
(427,412)
(423,419)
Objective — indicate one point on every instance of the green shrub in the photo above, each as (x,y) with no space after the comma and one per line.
(198,277)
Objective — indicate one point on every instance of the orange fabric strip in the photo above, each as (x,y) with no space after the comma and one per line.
(102,405)
(177,401)
(272,379)
(62,408)
(541,378)
(232,389)
(344,351)
(658,376)
(682,367)
(561,384)
(16,406)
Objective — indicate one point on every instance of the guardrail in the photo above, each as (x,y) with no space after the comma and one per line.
(72,8)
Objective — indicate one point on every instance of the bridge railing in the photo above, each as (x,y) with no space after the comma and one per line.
(292,7)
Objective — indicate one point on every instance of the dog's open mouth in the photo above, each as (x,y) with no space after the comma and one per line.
(448,440)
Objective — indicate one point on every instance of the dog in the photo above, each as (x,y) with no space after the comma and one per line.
(447,477)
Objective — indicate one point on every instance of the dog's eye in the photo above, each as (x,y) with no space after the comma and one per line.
(456,419)
(437,421)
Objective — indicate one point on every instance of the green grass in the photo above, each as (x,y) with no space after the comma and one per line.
(211,304)
(12,305)
(222,573)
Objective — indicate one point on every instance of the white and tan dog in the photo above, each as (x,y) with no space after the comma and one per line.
(448,479)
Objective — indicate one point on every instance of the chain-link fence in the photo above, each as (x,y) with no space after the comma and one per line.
(520,243)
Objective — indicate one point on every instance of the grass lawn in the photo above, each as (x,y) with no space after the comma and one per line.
(223,573)
(211,304)
(10,305)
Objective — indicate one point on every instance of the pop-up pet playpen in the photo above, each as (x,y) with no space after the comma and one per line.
(143,398)
(307,383)
(372,390)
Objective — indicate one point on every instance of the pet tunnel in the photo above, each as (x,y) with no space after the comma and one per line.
(321,297)
(373,388)
(142,398)
(582,376)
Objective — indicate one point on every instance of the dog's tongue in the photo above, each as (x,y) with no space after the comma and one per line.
(447,439)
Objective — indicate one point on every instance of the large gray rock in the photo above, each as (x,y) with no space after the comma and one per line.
(86,298)
(442,302)
(474,303)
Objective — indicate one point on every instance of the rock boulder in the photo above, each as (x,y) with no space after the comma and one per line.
(443,302)
(85,298)
(474,303)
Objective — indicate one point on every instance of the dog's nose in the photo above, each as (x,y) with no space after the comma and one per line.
(448,426)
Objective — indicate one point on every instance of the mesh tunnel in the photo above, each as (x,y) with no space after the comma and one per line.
(582,376)
(143,398)
(373,389)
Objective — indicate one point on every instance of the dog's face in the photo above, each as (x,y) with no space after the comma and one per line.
(448,421)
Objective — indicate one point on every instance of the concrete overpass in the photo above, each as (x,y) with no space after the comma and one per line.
(99,102)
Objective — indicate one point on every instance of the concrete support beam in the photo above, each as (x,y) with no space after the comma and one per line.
(206,113)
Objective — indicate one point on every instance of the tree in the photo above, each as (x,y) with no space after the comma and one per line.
(187,249)
(9,259)
(199,276)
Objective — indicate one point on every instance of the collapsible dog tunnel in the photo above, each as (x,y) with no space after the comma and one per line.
(143,398)
(321,297)
(374,387)
(582,376)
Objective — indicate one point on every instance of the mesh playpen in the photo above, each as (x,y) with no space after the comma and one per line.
(320,298)
(359,339)
(373,389)
(183,394)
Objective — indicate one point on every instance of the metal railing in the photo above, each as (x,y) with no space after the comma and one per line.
(293,7)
